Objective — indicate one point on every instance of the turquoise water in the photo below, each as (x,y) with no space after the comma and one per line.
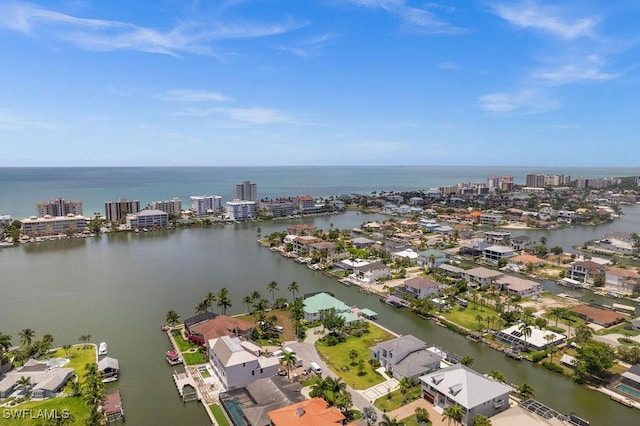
(628,390)
(22,188)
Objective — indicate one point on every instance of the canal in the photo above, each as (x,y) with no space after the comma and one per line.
(118,288)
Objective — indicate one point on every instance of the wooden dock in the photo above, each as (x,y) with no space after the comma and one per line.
(187,387)
(113,409)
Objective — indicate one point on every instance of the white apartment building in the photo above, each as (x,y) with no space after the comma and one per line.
(206,204)
(49,225)
(148,219)
(172,207)
(59,207)
(241,210)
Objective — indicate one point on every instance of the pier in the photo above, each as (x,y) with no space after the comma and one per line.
(113,409)
(187,387)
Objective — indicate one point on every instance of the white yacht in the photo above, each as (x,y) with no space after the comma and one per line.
(102,349)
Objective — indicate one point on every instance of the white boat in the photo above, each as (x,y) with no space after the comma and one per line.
(102,349)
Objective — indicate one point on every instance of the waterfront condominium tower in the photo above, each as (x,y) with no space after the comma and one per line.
(206,204)
(245,191)
(59,207)
(117,211)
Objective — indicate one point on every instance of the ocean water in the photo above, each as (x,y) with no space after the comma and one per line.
(22,188)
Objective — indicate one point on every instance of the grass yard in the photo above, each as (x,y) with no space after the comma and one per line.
(184,345)
(79,357)
(284,319)
(337,357)
(411,421)
(221,419)
(466,317)
(75,406)
(193,358)
(384,403)
(619,329)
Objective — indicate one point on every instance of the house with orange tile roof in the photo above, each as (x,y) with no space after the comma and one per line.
(220,325)
(313,412)
(621,280)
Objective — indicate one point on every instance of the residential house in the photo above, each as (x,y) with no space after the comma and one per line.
(451,270)
(362,242)
(497,237)
(406,356)
(474,248)
(46,381)
(538,340)
(323,247)
(495,254)
(520,242)
(631,378)
(480,276)
(238,363)
(316,305)
(490,219)
(635,324)
(250,405)
(444,230)
(604,317)
(433,258)
(220,325)
(371,272)
(300,229)
(620,280)
(407,254)
(421,287)
(302,242)
(585,271)
(522,261)
(518,286)
(463,231)
(312,412)
(460,385)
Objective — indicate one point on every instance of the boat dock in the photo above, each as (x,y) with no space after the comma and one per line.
(113,409)
(187,387)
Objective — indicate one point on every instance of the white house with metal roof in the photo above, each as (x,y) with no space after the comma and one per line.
(460,385)
(238,363)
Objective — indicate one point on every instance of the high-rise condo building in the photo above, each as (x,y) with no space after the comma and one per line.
(59,207)
(245,191)
(117,211)
(172,207)
(206,204)
(240,209)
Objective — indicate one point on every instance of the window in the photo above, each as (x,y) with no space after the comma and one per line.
(261,371)
(253,373)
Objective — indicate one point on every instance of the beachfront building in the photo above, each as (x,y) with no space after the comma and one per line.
(280,207)
(460,385)
(117,211)
(241,210)
(148,219)
(538,340)
(480,276)
(49,225)
(420,287)
(171,207)
(59,207)
(311,412)
(245,191)
(619,280)
(202,205)
(238,363)
(406,356)
(315,306)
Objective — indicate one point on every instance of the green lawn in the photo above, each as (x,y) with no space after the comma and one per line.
(466,317)
(411,421)
(384,403)
(79,357)
(337,357)
(619,329)
(184,345)
(284,319)
(193,358)
(73,405)
(221,419)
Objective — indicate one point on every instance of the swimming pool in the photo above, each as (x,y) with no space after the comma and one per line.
(628,390)
(58,362)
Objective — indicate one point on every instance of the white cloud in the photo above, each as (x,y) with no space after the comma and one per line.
(524,101)
(108,35)
(190,95)
(575,74)
(255,115)
(416,18)
(12,121)
(548,19)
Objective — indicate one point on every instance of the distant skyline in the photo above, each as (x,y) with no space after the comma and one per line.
(324,82)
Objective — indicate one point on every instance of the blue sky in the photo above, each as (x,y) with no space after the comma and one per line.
(319,82)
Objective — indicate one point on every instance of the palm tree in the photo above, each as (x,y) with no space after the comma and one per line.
(172,318)
(353,355)
(334,388)
(526,331)
(496,374)
(467,361)
(5,344)
(568,317)
(223,300)
(553,350)
(272,287)
(557,313)
(293,288)
(387,421)
(526,390)
(26,337)
(202,307)
(453,413)
(248,301)
(480,420)
(24,383)
(479,318)
(210,300)
(422,415)
(289,359)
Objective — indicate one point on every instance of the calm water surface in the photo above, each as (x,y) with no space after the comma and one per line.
(118,288)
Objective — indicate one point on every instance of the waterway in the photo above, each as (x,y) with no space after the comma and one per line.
(119,287)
